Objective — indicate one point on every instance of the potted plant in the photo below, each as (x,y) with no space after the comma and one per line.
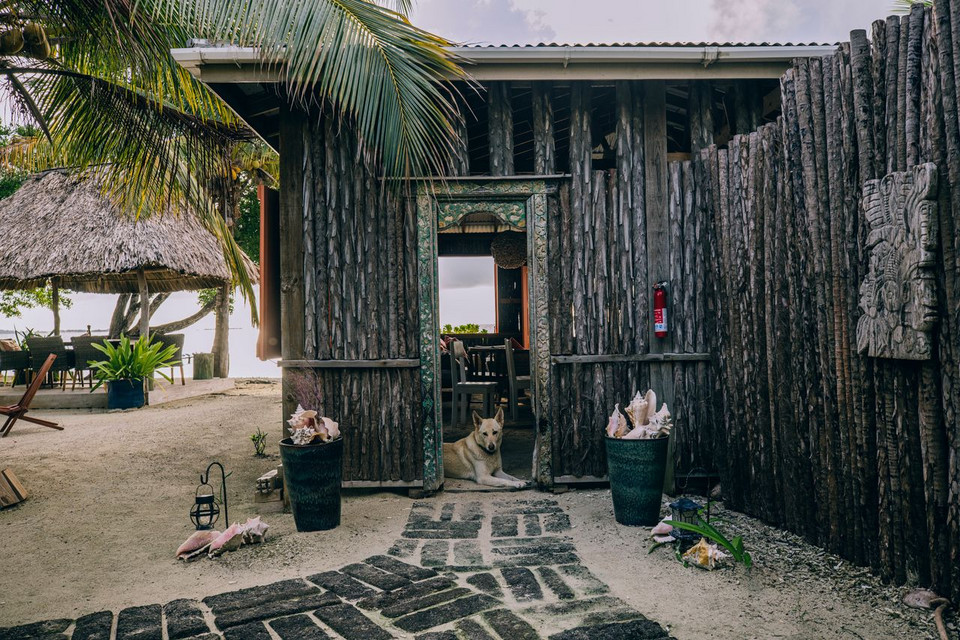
(637,459)
(127,366)
(312,461)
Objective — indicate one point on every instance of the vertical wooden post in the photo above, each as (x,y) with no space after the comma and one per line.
(144,303)
(55,304)
(500,122)
(221,334)
(658,240)
(292,129)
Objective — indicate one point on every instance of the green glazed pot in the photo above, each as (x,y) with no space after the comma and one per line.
(311,474)
(635,469)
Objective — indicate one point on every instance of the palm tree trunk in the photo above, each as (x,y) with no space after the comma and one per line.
(221,337)
(55,305)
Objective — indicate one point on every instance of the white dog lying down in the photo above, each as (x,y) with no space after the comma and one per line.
(477,456)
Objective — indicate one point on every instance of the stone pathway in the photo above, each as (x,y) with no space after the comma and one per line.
(457,573)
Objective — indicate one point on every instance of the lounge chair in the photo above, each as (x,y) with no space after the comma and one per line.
(18,411)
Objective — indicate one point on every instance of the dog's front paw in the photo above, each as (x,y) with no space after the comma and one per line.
(522,484)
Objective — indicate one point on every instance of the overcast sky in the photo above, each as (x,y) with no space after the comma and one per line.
(583,21)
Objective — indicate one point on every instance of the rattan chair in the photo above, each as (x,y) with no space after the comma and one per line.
(16,361)
(175,339)
(84,354)
(517,383)
(40,348)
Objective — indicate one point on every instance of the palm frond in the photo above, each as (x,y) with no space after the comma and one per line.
(366,60)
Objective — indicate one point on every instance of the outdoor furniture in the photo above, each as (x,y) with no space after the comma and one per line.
(16,361)
(175,339)
(517,383)
(464,390)
(18,411)
(83,354)
(40,348)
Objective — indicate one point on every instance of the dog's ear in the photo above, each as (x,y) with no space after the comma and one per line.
(499,416)
(477,420)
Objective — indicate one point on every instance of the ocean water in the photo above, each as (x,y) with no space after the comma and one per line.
(94,311)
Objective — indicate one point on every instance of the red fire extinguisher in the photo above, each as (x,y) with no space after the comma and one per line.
(660,309)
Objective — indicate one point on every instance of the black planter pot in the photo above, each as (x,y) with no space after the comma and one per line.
(125,394)
(636,469)
(311,474)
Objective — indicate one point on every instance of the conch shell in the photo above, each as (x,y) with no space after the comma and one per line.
(647,423)
(637,409)
(306,426)
(254,530)
(704,555)
(662,529)
(328,429)
(229,540)
(196,544)
(617,424)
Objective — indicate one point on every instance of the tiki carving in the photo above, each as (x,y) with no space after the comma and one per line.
(898,297)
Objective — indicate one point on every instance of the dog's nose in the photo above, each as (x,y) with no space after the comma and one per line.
(491,448)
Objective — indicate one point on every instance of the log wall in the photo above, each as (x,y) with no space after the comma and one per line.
(859,455)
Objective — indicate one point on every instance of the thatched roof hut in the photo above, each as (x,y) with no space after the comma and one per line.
(60,227)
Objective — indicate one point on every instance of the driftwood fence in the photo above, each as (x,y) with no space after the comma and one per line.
(858,454)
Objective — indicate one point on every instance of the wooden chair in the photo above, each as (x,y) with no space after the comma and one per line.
(18,411)
(175,339)
(464,390)
(84,353)
(516,383)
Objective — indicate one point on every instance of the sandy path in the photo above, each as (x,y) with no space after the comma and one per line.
(110,497)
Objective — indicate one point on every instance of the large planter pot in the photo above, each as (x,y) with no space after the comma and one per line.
(312,475)
(125,394)
(636,469)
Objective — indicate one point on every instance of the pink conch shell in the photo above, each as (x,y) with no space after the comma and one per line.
(637,410)
(229,540)
(302,418)
(197,541)
(254,530)
(617,424)
(664,539)
(328,429)
(661,529)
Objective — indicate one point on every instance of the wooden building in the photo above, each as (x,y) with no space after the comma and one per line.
(570,145)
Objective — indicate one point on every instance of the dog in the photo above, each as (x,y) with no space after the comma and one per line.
(477,456)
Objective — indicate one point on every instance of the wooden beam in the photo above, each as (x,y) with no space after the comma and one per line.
(396,363)
(292,131)
(648,357)
(144,303)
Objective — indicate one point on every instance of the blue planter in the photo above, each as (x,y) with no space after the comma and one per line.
(125,394)
(635,469)
(311,475)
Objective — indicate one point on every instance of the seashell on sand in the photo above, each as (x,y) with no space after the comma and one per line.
(229,540)
(254,530)
(198,540)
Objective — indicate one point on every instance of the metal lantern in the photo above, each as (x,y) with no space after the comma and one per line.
(205,511)
(685,510)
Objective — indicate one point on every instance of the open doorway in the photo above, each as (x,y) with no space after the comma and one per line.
(484,349)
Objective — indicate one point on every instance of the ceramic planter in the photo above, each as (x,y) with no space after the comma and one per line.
(312,476)
(635,469)
(125,394)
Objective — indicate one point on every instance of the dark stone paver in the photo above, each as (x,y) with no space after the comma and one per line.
(434,553)
(556,584)
(412,592)
(556,522)
(518,550)
(298,627)
(403,548)
(504,526)
(412,606)
(421,512)
(439,635)
(470,629)
(522,583)
(531,525)
(184,619)
(350,623)
(446,513)
(140,623)
(402,569)
(254,596)
(94,626)
(442,614)
(536,559)
(487,583)
(642,629)
(343,585)
(443,530)
(467,553)
(591,585)
(376,577)
(252,631)
(35,630)
(472,511)
(531,506)
(268,610)
(507,625)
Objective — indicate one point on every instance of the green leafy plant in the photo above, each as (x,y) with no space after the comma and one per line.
(470,327)
(711,533)
(22,336)
(259,440)
(132,360)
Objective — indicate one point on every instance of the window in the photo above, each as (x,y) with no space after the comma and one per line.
(467,292)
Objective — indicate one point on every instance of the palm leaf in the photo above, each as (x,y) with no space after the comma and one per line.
(366,60)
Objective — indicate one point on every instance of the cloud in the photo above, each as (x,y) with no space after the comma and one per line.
(791,20)
(482,21)
(466,273)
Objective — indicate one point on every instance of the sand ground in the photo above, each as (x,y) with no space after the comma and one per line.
(111,493)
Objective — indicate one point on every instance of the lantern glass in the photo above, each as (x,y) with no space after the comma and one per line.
(204,512)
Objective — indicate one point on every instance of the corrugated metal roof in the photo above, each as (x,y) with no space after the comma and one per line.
(545,45)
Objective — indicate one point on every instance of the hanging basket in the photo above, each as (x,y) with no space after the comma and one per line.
(509,250)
